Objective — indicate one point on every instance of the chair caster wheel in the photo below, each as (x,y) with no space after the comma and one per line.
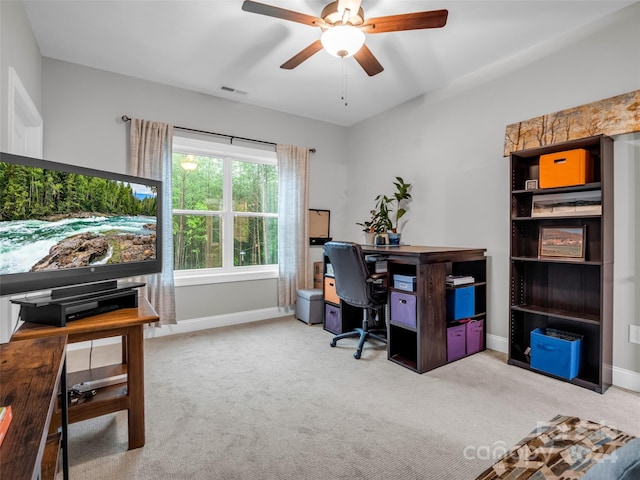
(357,355)
(333,343)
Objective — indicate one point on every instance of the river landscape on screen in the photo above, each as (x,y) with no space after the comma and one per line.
(52,220)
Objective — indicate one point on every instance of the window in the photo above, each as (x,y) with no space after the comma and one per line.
(225,210)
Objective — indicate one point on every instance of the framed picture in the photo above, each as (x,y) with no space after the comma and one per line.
(567,204)
(562,242)
(319,221)
(531,184)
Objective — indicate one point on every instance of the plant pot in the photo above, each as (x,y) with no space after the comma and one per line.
(394,238)
(369,238)
(382,239)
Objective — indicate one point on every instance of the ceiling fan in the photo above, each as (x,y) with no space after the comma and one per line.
(344,26)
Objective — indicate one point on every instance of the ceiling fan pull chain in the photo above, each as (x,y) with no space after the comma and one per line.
(344,83)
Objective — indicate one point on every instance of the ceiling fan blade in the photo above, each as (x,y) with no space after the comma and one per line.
(368,62)
(277,12)
(303,55)
(406,21)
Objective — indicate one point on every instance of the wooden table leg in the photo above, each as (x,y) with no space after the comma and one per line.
(135,384)
(123,345)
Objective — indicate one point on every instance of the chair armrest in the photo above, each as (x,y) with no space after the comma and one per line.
(376,276)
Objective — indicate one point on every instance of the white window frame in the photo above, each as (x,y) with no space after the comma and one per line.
(228,272)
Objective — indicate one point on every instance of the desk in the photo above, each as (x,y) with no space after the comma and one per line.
(33,372)
(127,323)
(424,347)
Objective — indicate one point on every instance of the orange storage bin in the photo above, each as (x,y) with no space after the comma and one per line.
(330,294)
(563,169)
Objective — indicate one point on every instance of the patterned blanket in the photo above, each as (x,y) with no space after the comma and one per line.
(562,449)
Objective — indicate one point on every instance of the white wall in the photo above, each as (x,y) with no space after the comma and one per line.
(18,49)
(449,146)
(82,110)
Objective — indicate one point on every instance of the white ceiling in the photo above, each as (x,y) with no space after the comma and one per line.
(205,45)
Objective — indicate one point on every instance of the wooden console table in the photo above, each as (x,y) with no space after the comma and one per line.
(129,395)
(33,372)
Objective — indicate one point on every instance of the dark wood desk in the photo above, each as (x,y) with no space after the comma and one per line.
(33,372)
(426,254)
(424,347)
(127,323)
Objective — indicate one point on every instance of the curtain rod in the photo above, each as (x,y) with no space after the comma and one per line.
(125,119)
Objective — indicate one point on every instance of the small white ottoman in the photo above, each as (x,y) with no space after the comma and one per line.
(309,305)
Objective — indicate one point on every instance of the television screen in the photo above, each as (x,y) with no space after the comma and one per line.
(64,225)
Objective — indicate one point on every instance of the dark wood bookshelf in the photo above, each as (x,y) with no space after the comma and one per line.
(574,295)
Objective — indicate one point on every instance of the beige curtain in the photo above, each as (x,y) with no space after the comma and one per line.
(150,157)
(293,229)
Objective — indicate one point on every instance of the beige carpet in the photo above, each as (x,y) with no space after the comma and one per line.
(272,400)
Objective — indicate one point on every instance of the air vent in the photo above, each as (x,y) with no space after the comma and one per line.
(233,90)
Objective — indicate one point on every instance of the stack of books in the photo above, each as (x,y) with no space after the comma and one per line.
(5,420)
(378,261)
(455,280)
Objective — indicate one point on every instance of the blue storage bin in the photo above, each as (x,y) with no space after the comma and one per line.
(461,303)
(405,282)
(556,352)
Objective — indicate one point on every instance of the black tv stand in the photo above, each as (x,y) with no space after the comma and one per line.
(72,303)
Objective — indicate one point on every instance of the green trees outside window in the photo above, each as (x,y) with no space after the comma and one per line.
(222,204)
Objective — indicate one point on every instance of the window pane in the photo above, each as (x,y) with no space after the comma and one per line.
(255,187)
(196,242)
(255,241)
(199,189)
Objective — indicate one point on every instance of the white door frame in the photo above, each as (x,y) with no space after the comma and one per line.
(25,138)
(24,121)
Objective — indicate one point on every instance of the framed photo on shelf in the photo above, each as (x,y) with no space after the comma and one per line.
(531,184)
(562,242)
(567,204)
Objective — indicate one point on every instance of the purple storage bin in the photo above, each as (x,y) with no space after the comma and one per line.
(475,336)
(332,319)
(403,309)
(456,342)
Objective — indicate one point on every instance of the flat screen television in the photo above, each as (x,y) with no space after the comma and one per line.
(63,225)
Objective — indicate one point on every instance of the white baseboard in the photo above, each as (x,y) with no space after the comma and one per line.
(197,324)
(205,323)
(499,344)
(624,378)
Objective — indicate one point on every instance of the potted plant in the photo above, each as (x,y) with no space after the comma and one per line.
(381,225)
(369,228)
(382,220)
(401,196)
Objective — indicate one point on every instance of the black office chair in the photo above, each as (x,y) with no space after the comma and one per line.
(356,286)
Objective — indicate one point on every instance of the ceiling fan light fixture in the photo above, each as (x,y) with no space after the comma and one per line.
(189,163)
(342,40)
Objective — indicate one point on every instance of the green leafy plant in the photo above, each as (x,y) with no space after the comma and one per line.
(401,197)
(385,216)
(369,225)
(382,217)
